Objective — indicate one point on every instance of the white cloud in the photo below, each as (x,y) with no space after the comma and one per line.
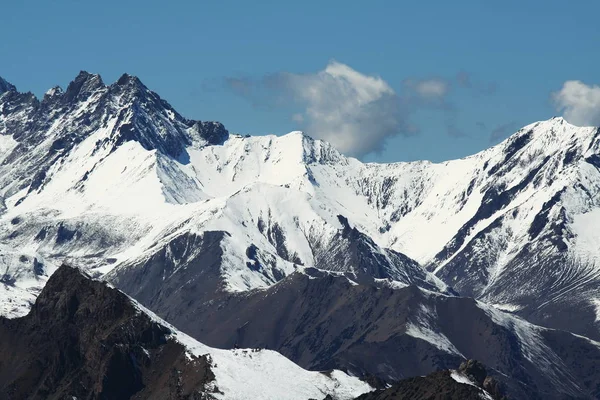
(579,103)
(357,113)
(434,89)
(354,112)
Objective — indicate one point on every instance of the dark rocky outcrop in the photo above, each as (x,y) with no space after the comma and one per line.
(85,340)
(6,86)
(442,386)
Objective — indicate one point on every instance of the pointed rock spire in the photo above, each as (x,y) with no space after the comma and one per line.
(6,86)
(129,80)
(129,87)
(53,93)
(83,85)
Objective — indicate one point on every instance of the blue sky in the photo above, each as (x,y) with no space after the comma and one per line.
(442,79)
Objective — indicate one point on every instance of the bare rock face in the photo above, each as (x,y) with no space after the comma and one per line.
(474,370)
(493,387)
(443,385)
(85,340)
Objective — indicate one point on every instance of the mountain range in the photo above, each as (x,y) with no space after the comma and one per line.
(386,271)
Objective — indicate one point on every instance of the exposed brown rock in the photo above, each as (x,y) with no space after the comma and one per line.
(440,386)
(85,340)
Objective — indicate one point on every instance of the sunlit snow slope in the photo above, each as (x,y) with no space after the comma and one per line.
(107,177)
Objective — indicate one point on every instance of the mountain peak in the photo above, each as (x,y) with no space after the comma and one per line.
(130,87)
(85,76)
(6,86)
(303,135)
(211,131)
(547,137)
(129,80)
(54,91)
(83,85)
(297,133)
(317,150)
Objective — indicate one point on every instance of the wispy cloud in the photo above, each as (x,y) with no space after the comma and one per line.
(435,93)
(356,112)
(429,89)
(464,80)
(579,103)
(453,130)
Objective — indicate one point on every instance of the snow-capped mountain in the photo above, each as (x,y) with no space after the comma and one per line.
(103,176)
(181,213)
(512,225)
(103,173)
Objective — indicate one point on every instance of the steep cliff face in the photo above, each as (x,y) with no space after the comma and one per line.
(85,340)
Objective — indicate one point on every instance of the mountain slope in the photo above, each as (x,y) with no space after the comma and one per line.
(504,225)
(324,320)
(83,339)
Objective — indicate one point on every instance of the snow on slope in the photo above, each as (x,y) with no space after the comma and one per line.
(587,236)
(461,378)
(431,202)
(103,175)
(243,374)
(536,345)
(131,187)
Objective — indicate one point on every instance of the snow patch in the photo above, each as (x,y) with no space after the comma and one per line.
(424,328)
(512,308)
(460,378)
(596,304)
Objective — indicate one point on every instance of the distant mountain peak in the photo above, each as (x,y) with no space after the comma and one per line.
(127,79)
(6,86)
(53,92)
(299,133)
(83,86)
(132,87)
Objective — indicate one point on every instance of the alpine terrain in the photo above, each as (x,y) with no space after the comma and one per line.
(383,271)
(109,347)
